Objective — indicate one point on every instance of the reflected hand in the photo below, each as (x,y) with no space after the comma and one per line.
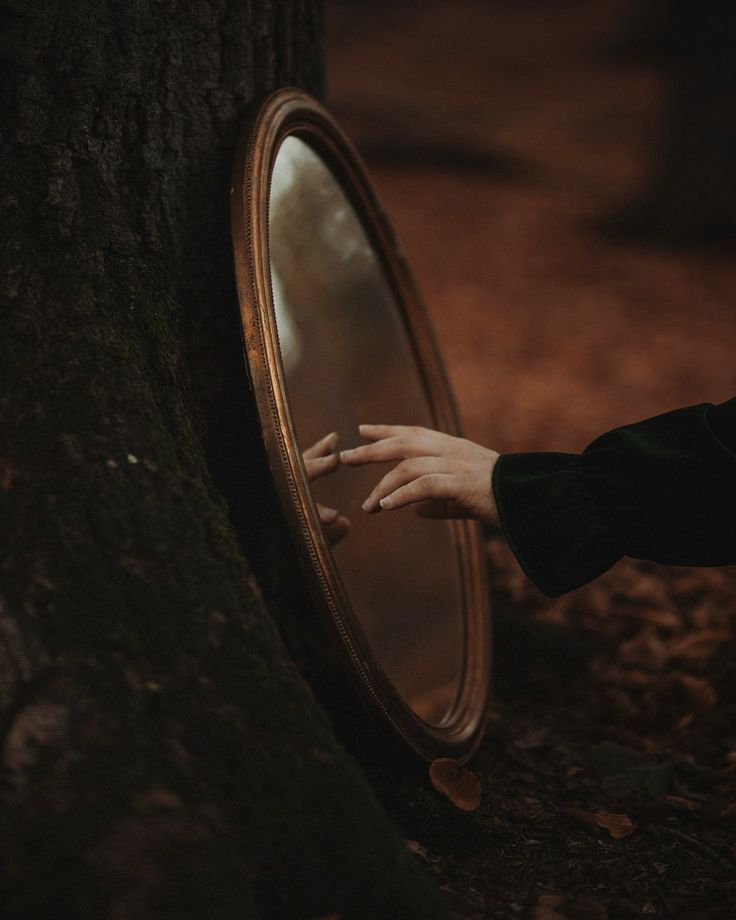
(443,475)
(319,460)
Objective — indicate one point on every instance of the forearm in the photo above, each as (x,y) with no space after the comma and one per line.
(662,489)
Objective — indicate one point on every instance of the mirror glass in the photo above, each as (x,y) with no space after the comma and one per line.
(348,360)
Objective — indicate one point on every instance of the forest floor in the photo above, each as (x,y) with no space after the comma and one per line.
(499,134)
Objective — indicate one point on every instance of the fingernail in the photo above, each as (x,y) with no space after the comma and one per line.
(329,515)
(385,502)
(366,504)
(345,453)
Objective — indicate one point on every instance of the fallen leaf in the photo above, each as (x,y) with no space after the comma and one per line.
(699,690)
(626,677)
(546,908)
(528,779)
(680,804)
(618,826)
(654,616)
(709,613)
(414,847)
(584,909)
(697,647)
(646,648)
(532,740)
(555,613)
(647,590)
(554,907)
(460,785)
(691,583)
(157,798)
(678,698)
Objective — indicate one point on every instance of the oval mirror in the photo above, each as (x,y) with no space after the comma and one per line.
(334,336)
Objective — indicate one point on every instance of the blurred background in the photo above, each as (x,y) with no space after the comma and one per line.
(562,176)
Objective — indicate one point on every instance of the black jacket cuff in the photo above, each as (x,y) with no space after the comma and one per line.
(662,489)
(551,520)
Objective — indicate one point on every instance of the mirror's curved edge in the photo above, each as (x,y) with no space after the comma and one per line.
(285,112)
(253,164)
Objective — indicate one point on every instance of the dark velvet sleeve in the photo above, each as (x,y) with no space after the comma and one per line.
(663,489)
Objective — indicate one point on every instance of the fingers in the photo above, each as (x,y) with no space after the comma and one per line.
(325,445)
(377,432)
(321,458)
(378,452)
(394,442)
(437,486)
(336,525)
(409,433)
(338,530)
(405,472)
(327,515)
(398,442)
(320,466)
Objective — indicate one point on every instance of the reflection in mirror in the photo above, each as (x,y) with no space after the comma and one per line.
(348,360)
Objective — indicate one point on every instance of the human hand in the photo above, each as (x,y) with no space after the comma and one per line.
(445,476)
(319,460)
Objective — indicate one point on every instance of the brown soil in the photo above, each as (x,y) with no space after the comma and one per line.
(498,134)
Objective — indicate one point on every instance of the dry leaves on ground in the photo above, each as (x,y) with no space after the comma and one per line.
(460,785)
(617,825)
(555,907)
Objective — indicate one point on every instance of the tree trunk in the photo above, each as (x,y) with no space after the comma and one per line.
(162,755)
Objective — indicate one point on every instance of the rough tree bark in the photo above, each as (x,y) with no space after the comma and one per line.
(162,756)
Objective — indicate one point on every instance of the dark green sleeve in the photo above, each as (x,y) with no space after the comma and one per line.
(663,489)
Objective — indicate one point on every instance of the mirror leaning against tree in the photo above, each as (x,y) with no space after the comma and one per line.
(335,336)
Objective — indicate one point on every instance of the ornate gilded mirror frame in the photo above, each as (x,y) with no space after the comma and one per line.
(291,112)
